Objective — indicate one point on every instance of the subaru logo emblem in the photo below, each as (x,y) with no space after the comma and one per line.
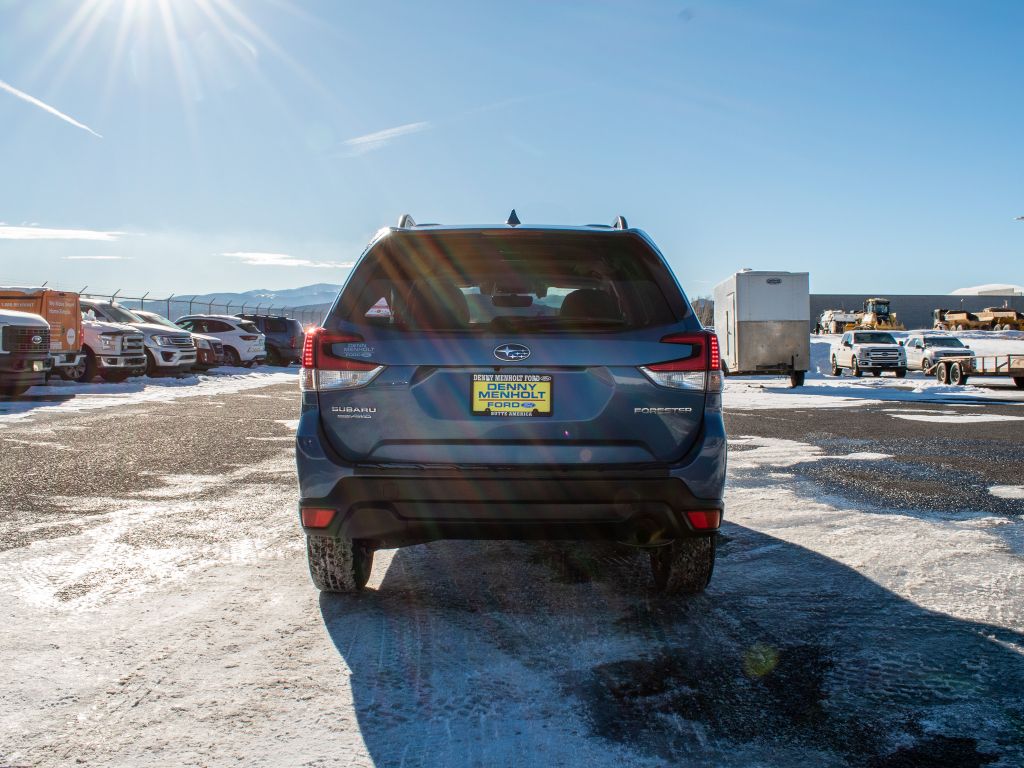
(511,353)
(39,340)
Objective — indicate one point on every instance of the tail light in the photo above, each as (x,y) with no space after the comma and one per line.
(323,370)
(700,370)
(704,519)
(316,517)
(291,342)
(248,337)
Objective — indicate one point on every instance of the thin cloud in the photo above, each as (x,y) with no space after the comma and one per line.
(46,107)
(262,259)
(360,145)
(47,233)
(96,258)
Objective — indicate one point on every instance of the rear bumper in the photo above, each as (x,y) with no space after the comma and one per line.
(395,505)
(67,359)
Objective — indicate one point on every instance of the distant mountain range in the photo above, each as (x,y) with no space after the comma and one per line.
(308,295)
(308,303)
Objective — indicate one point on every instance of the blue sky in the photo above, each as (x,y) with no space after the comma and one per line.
(259,144)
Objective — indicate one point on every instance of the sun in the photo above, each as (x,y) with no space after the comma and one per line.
(168,29)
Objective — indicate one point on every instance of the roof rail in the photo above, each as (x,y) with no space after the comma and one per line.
(620,223)
(405,221)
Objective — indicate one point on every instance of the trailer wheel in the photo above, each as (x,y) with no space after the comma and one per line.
(796,378)
(1019,381)
(942,373)
(956,374)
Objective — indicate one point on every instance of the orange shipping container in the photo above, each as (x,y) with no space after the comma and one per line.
(59,308)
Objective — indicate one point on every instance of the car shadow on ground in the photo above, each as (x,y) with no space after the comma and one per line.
(499,653)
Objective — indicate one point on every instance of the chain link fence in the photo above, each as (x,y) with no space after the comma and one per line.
(174,307)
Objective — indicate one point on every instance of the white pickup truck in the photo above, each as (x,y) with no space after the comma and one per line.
(874,351)
(166,350)
(112,350)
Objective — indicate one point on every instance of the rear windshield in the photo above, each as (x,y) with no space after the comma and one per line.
(248,327)
(500,281)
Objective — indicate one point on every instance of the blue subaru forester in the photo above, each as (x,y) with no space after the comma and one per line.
(511,382)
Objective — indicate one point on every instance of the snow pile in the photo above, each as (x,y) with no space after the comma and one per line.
(68,397)
(990,289)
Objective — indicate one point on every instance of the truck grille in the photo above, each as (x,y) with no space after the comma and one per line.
(883,355)
(181,341)
(17,338)
(132,344)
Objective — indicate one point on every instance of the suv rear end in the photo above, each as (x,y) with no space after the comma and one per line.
(284,337)
(511,383)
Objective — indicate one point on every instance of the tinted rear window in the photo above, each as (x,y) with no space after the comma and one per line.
(498,281)
(277,325)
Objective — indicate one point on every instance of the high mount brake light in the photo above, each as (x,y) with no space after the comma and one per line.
(324,370)
(699,370)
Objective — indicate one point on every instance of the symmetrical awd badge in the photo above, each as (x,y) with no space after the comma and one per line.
(512,353)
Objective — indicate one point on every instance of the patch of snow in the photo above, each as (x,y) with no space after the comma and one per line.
(958,418)
(1007,491)
(67,397)
(777,452)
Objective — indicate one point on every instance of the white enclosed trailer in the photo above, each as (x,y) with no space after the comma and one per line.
(763,321)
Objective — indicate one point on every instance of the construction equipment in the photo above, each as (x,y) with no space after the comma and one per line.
(988,319)
(1002,318)
(836,321)
(877,317)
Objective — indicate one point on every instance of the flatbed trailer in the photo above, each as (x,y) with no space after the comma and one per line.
(957,370)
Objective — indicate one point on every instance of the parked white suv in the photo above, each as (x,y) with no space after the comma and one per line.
(243,342)
(924,350)
(167,351)
(873,351)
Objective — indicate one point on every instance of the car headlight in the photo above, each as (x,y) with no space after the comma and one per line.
(108,341)
(163,341)
(202,344)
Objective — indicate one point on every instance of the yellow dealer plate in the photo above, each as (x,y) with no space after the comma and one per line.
(511,394)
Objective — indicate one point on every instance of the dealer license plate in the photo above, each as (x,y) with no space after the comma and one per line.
(511,394)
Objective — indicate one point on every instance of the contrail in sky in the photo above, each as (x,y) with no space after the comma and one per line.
(33,100)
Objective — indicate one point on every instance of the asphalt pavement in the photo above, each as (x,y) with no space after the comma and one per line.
(865,611)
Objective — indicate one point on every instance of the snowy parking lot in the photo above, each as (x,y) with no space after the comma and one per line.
(867,608)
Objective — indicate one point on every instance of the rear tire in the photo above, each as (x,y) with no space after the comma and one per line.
(901,373)
(1019,382)
(683,567)
(957,375)
(337,564)
(231,357)
(876,374)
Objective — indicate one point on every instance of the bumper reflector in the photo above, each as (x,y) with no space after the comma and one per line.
(315,517)
(704,519)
